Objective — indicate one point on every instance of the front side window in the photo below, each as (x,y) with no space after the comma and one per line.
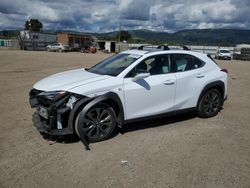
(185,62)
(114,65)
(155,65)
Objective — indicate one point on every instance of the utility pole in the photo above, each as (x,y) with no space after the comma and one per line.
(120,37)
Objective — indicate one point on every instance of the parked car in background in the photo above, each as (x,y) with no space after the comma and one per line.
(223,54)
(90,49)
(58,47)
(129,86)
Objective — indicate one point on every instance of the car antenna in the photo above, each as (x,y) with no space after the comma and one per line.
(140,47)
(185,48)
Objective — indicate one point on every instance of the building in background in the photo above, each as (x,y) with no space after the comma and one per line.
(9,44)
(30,40)
(76,41)
(9,40)
(107,46)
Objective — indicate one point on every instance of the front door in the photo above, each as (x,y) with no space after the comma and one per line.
(152,95)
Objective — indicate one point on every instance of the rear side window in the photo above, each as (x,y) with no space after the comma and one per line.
(209,56)
(185,62)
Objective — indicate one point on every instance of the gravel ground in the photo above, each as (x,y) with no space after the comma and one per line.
(181,151)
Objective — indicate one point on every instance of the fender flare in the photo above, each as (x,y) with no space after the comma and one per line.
(105,97)
(211,85)
(90,103)
(74,112)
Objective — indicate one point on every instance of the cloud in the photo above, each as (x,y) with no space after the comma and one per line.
(201,14)
(134,10)
(106,15)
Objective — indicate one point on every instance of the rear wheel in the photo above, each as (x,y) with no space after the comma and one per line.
(210,104)
(99,123)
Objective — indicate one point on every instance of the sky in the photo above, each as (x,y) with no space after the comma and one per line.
(106,15)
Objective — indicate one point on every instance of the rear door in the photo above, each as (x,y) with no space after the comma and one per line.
(191,77)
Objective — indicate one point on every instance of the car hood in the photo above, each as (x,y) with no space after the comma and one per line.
(68,80)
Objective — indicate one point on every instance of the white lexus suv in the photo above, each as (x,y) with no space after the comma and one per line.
(129,86)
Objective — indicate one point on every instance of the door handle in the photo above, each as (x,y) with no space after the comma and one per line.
(169,82)
(200,75)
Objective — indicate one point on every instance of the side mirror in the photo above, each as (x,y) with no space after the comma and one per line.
(141,76)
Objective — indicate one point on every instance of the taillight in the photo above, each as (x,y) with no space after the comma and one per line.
(224,70)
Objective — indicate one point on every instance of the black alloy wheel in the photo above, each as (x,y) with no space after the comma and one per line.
(210,104)
(99,123)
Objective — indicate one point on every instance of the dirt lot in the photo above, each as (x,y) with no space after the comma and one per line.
(181,151)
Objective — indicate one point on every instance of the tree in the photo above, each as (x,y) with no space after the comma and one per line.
(5,33)
(125,35)
(33,25)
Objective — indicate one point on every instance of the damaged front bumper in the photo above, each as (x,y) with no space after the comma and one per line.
(52,116)
(45,128)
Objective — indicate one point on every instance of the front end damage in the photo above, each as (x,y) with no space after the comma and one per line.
(53,111)
(56,112)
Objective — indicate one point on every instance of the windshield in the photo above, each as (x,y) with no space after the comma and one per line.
(224,51)
(114,65)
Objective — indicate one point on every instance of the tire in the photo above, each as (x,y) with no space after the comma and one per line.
(98,129)
(209,104)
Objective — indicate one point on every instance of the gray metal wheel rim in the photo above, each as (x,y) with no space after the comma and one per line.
(98,123)
(212,103)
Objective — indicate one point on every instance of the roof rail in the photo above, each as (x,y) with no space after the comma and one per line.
(160,47)
(163,47)
(140,47)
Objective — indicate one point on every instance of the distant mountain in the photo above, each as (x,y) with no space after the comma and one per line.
(213,36)
(225,37)
(9,34)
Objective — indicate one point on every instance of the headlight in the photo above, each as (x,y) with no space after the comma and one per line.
(53,95)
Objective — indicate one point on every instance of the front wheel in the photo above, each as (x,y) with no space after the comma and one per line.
(99,123)
(210,104)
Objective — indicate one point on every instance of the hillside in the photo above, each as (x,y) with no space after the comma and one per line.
(195,37)
(225,37)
